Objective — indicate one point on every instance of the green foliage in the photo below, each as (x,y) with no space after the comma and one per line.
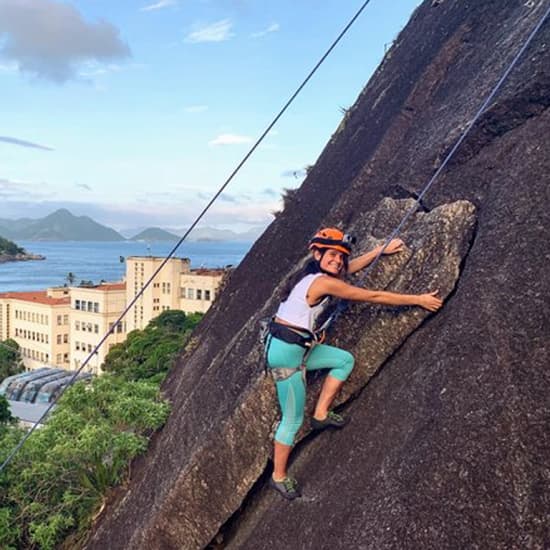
(10,248)
(5,414)
(148,354)
(10,359)
(60,476)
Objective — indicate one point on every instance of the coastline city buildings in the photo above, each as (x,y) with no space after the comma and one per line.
(61,326)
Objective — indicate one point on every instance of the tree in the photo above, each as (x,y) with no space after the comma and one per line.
(70,278)
(59,478)
(148,354)
(5,413)
(10,248)
(10,358)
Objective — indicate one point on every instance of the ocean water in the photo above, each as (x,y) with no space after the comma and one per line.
(94,261)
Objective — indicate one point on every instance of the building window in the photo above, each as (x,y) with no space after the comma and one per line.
(59,320)
(65,338)
(65,319)
(65,358)
(77,346)
(199,294)
(96,307)
(190,293)
(77,325)
(58,358)
(207,295)
(59,338)
(96,329)
(77,304)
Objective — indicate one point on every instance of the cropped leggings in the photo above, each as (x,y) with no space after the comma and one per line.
(292,392)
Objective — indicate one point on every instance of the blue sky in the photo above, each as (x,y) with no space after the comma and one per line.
(135,112)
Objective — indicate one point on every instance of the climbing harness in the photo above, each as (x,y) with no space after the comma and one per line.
(269,328)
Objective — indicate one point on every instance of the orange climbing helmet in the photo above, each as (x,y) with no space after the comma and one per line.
(331,237)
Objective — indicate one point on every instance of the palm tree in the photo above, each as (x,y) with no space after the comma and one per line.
(71,278)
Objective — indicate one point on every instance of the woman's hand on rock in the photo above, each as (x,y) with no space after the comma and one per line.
(430,301)
(395,245)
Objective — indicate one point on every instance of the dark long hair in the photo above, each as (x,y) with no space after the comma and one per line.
(313,266)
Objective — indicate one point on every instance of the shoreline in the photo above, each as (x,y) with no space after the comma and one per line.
(5,258)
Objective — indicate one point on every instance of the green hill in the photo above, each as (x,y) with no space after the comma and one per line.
(61,225)
(9,248)
(154,234)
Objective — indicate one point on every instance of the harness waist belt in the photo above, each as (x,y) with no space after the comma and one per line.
(290,335)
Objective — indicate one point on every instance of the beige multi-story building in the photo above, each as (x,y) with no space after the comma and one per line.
(176,286)
(39,322)
(62,326)
(94,310)
(198,289)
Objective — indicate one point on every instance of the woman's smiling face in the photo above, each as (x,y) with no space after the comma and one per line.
(332,261)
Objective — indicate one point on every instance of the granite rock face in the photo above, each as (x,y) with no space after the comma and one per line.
(449,443)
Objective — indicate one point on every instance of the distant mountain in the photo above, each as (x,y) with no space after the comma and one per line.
(61,225)
(154,234)
(199,234)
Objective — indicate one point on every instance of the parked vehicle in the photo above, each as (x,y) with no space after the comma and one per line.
(49,391)
(16,388)
(32,388)
(21,376)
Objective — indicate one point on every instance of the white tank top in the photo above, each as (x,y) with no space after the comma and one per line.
(295,310)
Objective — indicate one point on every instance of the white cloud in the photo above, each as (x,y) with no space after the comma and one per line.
(158,5)
(196,108)
(230,139)
(50,39)
(93,69)
(274,27)
(9,67)
(18,190)
(215,32)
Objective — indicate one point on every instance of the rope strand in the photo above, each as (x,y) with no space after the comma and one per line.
(191,228)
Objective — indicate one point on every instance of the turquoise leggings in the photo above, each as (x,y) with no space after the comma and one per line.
(292,392)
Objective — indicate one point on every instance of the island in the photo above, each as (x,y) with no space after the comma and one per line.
(11,252)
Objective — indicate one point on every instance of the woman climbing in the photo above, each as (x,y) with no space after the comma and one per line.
(292,346)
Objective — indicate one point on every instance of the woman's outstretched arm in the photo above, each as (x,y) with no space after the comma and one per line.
(356,264)
(330,286)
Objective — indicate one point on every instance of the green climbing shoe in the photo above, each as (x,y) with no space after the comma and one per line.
(288,487)
(332,420)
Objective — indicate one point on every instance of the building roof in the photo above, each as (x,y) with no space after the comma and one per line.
(112,286)
(158,258)
(36,297)
(206,271)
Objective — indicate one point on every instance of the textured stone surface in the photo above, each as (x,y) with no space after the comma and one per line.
(212,473)
(449,442)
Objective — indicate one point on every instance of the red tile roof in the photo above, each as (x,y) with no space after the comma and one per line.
(37,297)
